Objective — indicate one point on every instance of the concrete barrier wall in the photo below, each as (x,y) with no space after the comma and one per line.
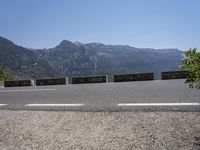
(174,75)
(1,83)
(18,83)
(57,81)
(89,79)
(133,77)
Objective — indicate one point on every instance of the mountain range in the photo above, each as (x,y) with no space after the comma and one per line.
(77,59)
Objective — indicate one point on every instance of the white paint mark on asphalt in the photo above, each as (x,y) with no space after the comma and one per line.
(28,90)
(3,105)
(158,104)
(49,105)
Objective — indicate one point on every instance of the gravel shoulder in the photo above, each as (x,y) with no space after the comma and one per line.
(23,130)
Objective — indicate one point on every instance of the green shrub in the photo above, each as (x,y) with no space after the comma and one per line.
(191,62)
(5,75)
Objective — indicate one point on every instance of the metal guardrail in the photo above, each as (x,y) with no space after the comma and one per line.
(174,75)
(53,81)
(96,79)
(18,83)
(89,79)
(134,77)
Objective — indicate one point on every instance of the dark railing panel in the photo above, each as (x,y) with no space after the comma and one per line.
(57,81)
(18,83)
(89,79)
(134,77)
(174,75)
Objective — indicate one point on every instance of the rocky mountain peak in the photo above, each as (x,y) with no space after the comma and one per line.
(66,43)
(4,41)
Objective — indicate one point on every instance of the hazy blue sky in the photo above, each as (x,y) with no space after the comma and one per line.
(139,23)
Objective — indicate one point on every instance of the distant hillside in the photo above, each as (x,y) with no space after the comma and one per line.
(22,62)
(75,59)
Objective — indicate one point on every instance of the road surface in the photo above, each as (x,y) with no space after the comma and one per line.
(161,95)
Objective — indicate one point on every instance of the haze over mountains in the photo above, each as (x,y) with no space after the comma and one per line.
(77,59)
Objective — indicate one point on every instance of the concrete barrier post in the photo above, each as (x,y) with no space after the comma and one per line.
(1,83)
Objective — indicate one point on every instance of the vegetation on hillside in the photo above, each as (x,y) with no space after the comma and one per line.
(4,75)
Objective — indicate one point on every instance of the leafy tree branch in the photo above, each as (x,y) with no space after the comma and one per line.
(191,62)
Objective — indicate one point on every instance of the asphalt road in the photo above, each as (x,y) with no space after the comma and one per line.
(161,95)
